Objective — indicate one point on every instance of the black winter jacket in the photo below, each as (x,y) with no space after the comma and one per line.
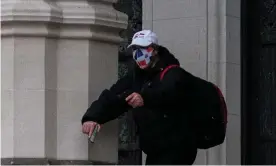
(163,122)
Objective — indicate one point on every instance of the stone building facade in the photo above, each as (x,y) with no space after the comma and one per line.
(57,56)
(205,36)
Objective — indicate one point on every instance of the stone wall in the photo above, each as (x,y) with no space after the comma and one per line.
(205,36)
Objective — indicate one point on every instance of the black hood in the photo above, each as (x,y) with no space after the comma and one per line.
(166,58)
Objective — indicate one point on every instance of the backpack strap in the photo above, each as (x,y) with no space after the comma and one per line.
(164,71)
(223,105)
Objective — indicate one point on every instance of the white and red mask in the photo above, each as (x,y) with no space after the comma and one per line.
(142,56)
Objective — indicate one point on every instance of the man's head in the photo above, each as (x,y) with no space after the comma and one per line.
(143,45)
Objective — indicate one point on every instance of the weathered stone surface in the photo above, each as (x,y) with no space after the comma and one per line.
(56,57)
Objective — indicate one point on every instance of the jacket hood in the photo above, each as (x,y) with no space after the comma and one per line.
(166,58)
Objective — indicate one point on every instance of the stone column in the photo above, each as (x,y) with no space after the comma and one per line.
(56,58)
(224,70)
(28,121)
(216,32)
(87,60)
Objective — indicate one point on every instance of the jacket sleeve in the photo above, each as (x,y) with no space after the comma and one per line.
(170,90)
(110,104)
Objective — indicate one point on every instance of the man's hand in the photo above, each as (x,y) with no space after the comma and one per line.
(135,100)
(88,127)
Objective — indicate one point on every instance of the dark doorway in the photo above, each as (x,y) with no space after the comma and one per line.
(129,152)
(258,58)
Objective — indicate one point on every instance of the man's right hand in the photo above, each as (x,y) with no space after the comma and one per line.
(88,127)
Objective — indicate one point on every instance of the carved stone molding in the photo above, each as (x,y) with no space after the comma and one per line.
(30,18)
(30,11)
(82,19)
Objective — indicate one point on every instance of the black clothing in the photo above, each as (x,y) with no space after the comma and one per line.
(163,121)
(173,156)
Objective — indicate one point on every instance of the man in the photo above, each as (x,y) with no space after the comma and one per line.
(160,106)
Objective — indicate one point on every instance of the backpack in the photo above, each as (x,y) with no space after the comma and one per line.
(209,111)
